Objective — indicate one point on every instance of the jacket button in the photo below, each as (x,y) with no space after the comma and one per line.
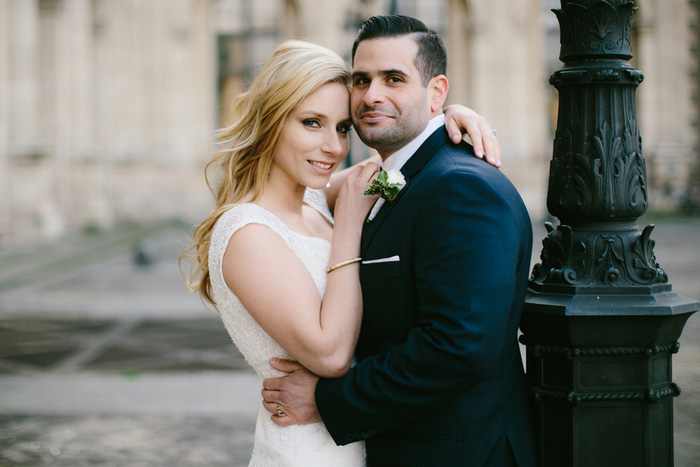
(349,437)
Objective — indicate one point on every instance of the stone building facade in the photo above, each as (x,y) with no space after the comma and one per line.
(666,52)
(108,108)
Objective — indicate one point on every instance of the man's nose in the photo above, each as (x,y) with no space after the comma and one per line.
(374,93)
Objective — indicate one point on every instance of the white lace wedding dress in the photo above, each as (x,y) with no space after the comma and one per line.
(299,445)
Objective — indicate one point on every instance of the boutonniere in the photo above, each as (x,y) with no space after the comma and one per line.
(387,185)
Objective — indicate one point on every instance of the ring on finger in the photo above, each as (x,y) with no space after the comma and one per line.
(279,410)
(493,132)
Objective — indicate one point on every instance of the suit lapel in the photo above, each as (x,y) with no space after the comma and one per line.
(410,169)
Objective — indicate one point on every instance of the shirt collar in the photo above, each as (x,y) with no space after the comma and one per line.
(399,158)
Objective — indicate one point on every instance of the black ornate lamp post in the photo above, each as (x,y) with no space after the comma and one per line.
(601,321)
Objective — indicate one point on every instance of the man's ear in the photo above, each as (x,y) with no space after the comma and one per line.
(437,93)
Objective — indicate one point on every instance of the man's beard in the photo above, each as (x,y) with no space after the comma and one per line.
(391,138)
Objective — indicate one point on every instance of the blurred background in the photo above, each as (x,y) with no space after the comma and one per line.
(108,114)
(108,108)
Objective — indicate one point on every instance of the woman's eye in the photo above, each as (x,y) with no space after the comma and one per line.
(311,123)
(344,129)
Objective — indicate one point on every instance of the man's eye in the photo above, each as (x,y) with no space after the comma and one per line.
(361,81)
(395,79)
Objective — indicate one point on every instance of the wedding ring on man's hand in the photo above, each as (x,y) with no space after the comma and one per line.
(279,411)
(493,132)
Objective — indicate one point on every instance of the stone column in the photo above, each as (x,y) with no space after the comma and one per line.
(457,41)
(664,31)
(76,57)
(52,194)
(23,103)
(692,202)
(507,85)
(78,159)
(320,23)
(5,193)
(201,116)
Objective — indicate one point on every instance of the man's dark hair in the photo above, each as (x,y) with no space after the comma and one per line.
(431,60)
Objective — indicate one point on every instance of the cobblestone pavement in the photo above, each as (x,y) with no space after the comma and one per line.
(145,440)
(104,362)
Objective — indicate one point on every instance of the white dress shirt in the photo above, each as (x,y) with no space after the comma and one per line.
(400,157)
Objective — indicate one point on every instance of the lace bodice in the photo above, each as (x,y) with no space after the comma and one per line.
(302,445)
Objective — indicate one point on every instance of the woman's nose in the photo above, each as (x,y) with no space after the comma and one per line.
(333,145)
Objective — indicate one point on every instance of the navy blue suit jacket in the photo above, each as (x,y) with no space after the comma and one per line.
(439,377)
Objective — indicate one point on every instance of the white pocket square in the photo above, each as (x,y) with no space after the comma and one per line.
(390,259)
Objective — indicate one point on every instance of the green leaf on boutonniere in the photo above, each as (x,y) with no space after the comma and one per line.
(387,185)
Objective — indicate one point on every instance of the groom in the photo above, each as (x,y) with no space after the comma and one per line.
(439,377)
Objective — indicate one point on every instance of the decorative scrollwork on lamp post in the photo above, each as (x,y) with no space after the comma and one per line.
(601,321)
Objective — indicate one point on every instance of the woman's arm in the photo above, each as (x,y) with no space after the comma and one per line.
(460,119)
(277,290)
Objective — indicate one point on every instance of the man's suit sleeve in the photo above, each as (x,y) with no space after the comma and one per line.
(467,246)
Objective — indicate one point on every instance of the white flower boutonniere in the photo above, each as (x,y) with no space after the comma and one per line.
(387,185)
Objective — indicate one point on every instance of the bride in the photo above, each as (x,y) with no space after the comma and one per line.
(280,268)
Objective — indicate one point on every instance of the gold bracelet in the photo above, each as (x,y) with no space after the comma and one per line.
(330,269)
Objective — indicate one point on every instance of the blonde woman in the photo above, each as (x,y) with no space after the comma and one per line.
(263,254)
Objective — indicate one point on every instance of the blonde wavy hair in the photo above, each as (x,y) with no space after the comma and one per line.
(248,146)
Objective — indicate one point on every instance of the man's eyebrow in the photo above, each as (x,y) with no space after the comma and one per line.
(392,71)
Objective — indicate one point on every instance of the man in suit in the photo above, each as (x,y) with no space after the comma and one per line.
(439,377)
